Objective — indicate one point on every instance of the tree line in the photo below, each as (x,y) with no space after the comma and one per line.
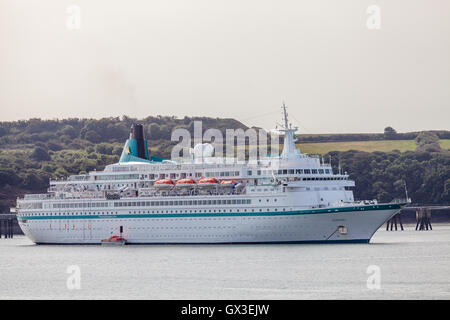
(33,151)
(78,133)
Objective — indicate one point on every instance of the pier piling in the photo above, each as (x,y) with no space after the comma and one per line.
(423,218)
(393,222)
(7,225)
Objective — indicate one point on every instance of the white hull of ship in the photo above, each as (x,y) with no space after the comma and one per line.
(359,226)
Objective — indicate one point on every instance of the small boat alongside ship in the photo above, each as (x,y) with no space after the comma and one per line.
(114,241)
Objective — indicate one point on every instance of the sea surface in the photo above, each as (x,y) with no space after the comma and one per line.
(395,265)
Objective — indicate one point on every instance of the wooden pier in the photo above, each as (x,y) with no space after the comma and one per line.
(393,222)
(8,226)
(423,218)
(420,216)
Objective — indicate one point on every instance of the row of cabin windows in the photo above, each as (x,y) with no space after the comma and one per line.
(290,171)
(323,179)
(80,205)
(152,176)
(149,203)
(181,203)
(143,212)
(30,205)
(212,174)
(223,174)
(117,177)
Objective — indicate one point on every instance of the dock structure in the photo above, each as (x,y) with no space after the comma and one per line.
(419,215)
(393,222)
(423,218)
(7,225)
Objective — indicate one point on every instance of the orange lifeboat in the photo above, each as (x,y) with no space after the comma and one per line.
(227,182)
(185,183)
(164,184)
(208,182)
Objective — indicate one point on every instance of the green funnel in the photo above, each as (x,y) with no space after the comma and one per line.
(135,148)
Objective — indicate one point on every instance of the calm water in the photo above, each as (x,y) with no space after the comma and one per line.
(412,265)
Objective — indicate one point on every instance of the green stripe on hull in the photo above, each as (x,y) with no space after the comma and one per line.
(220,214)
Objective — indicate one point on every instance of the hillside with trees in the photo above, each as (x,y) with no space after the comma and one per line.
(33,151)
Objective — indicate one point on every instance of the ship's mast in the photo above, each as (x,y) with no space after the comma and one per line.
(289,150)
(285,116)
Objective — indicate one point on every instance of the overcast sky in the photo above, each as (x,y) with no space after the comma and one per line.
(230,58)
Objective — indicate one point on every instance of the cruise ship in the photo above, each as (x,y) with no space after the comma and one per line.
(290,197)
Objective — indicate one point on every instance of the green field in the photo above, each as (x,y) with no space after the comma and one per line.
(369,146)
(445,144)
